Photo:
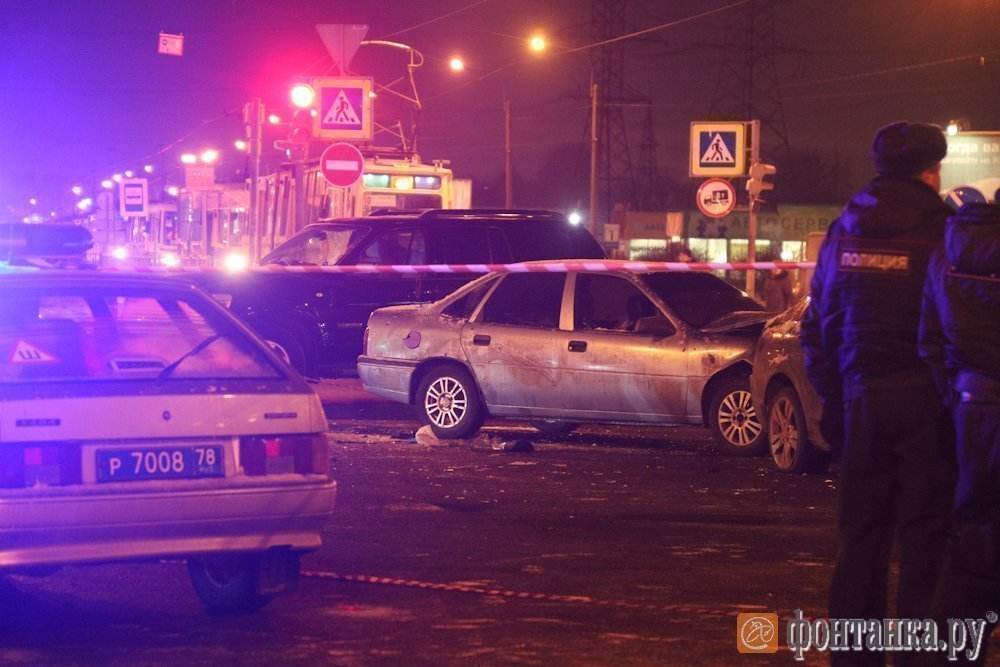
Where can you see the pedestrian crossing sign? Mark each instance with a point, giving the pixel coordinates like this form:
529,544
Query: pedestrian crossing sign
344,108
718,149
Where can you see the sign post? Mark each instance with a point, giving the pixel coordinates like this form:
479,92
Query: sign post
752,217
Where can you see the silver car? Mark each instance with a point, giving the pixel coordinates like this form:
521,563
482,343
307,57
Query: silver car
140,420
783,394
562,348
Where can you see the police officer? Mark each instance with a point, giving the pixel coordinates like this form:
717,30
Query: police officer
860,341
959,338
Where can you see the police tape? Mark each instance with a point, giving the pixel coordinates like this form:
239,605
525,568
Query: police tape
521,267
695,610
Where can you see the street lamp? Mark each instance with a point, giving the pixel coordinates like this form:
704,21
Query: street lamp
107,184
77,190
209,156
456,64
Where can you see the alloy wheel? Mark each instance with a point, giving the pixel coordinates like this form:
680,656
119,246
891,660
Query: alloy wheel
446,402
738,420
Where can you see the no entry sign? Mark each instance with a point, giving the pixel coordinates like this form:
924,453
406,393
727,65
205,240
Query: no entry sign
342,164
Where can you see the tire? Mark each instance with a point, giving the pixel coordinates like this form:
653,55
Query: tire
788,436
448,400
227,583
554,428
733,420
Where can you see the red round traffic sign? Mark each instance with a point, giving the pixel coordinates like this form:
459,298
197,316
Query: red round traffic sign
716,198
342,164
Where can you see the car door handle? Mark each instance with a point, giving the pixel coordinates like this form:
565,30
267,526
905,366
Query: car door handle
481,339
578,346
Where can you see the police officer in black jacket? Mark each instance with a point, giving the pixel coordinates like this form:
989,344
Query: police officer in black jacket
860,342
960,339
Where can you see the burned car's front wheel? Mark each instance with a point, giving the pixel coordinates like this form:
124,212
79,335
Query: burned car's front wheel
448,400
733,420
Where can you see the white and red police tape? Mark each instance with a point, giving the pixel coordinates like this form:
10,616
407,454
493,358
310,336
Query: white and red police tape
529,267
697,610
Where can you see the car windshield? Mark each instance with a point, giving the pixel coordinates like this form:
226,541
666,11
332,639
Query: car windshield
324,246
699,298
60,333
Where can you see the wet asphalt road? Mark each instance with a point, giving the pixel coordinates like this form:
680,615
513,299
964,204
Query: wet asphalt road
610,546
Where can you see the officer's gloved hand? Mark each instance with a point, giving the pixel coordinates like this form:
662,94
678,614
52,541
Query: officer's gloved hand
831,426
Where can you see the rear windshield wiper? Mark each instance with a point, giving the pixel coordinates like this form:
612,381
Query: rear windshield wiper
166,372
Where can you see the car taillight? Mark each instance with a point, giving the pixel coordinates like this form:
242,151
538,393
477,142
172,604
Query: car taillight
276,454
50,464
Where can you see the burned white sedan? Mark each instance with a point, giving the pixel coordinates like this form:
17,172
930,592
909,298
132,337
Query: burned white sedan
558,349
139,420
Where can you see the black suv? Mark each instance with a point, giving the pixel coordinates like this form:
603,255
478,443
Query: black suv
318,319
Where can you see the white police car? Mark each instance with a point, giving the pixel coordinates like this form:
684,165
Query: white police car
139,420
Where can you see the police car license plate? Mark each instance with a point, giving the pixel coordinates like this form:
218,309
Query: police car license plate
126,465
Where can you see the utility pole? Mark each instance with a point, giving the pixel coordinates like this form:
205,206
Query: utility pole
508,192
253,116
592,215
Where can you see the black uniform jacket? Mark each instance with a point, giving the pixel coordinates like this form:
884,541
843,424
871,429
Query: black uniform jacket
960,327
860,331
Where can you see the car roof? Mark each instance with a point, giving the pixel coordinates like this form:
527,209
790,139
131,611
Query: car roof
386,217
18,277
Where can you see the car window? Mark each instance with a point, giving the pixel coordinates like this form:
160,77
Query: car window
468,245
463,307
698,298
318,247
399,246
546,242
526,300
609,303
69,333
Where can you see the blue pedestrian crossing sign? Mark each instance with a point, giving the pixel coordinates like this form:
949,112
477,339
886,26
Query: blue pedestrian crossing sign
344,108
718,149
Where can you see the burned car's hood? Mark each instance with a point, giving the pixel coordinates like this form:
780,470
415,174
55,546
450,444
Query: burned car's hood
736,320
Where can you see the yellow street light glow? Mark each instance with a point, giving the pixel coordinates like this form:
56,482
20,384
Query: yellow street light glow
32,201
173,190
274,119
107,184
240,145
189,158
148,169
77,190
117,178
129,174
456,64
302,95
537,43
209,156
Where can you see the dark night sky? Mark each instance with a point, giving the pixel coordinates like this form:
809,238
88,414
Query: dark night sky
83,92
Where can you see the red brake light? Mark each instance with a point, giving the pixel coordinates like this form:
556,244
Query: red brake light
49,464
274,455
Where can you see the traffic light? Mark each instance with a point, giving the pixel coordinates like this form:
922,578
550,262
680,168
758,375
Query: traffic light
300,131
756,184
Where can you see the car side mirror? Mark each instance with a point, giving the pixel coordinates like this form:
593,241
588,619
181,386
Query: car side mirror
655,325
